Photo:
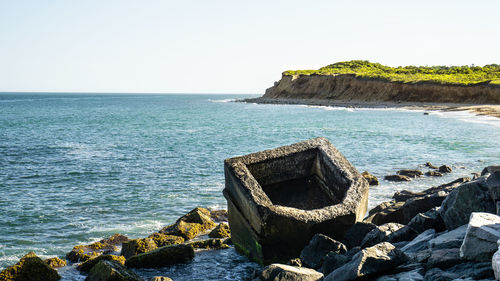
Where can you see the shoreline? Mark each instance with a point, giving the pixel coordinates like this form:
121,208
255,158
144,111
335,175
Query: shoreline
492,110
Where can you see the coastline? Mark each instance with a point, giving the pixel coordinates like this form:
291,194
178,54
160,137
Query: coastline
492,110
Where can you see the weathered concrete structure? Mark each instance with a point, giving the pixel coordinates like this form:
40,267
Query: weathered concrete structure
278,199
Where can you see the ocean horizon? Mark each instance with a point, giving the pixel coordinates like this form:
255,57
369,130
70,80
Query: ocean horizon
78,167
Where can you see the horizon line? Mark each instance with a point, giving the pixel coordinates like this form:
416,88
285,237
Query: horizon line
132,93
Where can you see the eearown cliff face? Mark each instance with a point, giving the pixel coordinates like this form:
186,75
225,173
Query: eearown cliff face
347,87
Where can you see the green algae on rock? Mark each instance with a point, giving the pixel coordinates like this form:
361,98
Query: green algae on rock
213,244
220,231
112,271
165,240
87,265
163,256
190,225
55,262
81,253
137,246
29,268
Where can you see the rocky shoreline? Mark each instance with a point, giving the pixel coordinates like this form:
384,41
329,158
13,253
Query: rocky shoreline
485,109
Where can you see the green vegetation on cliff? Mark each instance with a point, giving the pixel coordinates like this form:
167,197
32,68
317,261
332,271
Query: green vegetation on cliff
457,75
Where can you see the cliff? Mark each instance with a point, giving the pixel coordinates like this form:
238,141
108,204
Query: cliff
349,88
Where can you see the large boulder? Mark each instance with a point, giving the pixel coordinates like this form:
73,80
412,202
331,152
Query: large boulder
165,240
29,268
380,234
335,260
163,256
87,265
444,258
81,253
462,271
428,220
106,270
355,235
379,258
420,243
137,246
191,225
469,197
220,231
481,238
386,212
282,272
301,189
320,245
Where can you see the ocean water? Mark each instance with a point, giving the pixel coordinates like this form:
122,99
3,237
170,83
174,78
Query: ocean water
76,168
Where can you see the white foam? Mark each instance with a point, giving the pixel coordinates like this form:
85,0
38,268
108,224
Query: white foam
222,100
469,117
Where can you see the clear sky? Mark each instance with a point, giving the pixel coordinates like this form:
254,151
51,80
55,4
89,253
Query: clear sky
212,46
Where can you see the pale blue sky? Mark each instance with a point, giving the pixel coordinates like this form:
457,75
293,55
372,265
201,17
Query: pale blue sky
228,46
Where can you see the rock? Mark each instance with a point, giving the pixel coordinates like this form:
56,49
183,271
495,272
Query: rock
164,256
427,220
447,187
388,212
463,271
401,235
81,253
450,239
87,265
420,243
301,189
218,216
429,165
495,262
372,180
444,258
355,235
445,169
480,240
436,274
379,258
410,173
380,234
412,275
334,260
281,272
493,182
320,245
160,278
467,198
397,178
165,240
106,270
190,225
137,246
55,262
220,231
433,174
29,268
213,244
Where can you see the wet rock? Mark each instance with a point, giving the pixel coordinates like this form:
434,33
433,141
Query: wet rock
137,246
433,174
81,253
29,268
372,180
160,278
218,216
397,178
281,272
87,265
335,260
163,256
380,234
220,231
480,240
467,198
379,258
106,270
410,173
212,244
444,258
320,245
301,189
55,262
191,225
429,165
450,239
165,240
495,262
445,169
355,235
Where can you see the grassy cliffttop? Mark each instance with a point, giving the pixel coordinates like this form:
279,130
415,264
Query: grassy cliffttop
449,75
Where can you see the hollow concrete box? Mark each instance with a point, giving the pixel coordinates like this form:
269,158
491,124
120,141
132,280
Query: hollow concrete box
279,198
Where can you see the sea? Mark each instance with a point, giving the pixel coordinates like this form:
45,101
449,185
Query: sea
76,168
